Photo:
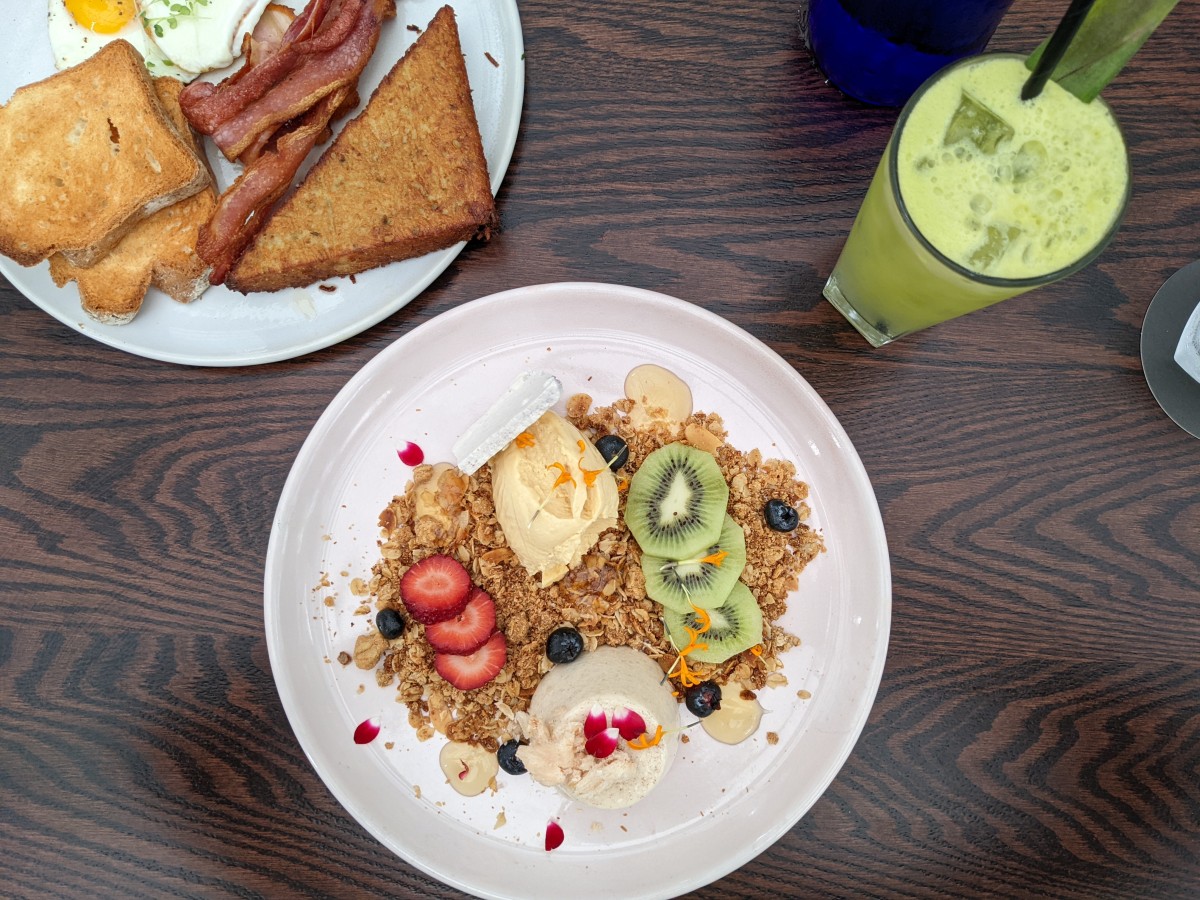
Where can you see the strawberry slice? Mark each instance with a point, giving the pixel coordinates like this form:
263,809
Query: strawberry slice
469,630
467,672
435,589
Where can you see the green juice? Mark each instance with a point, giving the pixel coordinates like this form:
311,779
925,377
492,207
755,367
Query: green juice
979,196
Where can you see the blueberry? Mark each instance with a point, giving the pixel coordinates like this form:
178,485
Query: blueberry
780,516
389,623
703,699
564,644
614,450
508,759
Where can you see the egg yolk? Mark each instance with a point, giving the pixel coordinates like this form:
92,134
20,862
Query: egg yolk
101,16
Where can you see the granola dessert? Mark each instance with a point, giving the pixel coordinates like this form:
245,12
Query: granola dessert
677,618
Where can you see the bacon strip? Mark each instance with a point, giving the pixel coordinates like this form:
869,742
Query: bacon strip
317,74
207,105
241,209
276,109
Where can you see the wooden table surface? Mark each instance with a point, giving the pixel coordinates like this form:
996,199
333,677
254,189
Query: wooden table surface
1037,729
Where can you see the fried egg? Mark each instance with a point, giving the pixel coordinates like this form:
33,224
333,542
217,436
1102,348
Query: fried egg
182,38
200,35
79,28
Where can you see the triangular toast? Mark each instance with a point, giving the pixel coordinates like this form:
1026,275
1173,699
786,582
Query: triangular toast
406,177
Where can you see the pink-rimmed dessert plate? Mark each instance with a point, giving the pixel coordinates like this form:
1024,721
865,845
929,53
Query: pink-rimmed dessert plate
225,328
719,805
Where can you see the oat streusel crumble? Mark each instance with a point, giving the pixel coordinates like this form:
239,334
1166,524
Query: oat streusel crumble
604,597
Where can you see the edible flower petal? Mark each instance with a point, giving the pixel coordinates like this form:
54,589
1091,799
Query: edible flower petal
628,723
603,744
595,722
646,741
524,440
564,476
685,675
589,475
554,835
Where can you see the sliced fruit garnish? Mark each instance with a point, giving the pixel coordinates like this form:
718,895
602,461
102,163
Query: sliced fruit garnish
467,631
595,722
629,724
554,835
435,589
469,671
603,743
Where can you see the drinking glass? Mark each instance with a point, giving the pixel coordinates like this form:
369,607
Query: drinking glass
1045,208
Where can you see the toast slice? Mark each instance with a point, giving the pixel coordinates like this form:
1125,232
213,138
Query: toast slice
159,250
406,177
88,153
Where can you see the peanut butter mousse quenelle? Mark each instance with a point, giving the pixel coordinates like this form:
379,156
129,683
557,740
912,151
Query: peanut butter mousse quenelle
554,496
603,729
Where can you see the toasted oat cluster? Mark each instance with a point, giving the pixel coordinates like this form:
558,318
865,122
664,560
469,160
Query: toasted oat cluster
604,597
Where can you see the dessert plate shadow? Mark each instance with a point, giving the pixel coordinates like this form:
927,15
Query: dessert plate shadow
718,806
224,328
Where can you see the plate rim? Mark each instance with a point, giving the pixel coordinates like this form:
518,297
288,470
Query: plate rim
23,278
881,559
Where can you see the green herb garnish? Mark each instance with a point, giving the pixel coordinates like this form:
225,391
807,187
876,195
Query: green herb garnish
171,10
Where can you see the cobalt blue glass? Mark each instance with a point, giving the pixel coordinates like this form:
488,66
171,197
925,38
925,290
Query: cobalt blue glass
880,51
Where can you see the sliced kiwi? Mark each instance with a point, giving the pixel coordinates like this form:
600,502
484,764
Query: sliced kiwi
737,625
703,580
677,500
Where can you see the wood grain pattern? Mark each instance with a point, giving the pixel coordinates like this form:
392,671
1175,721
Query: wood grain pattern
1037,732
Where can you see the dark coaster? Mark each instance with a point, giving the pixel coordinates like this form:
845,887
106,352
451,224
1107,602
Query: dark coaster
1174,389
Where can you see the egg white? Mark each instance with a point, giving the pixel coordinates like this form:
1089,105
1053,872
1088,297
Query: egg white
72,43
206,37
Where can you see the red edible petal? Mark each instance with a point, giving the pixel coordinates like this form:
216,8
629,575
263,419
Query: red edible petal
595,722
602,744
554,835
629,723
410,454
366,731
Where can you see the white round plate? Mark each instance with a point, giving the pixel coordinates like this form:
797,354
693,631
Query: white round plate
718,806
224,328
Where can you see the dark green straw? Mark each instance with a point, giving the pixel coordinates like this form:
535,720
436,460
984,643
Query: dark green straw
1056,47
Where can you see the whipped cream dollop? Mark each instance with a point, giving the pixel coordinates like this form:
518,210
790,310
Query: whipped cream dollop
612,679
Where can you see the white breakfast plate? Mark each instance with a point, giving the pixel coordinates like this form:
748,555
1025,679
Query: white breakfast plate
718,806
224,328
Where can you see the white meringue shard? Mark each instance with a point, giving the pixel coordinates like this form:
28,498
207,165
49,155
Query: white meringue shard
530,395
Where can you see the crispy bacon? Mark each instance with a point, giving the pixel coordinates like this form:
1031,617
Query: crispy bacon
277,108
241,208
207,105
251,153
268,35
261,97
317,74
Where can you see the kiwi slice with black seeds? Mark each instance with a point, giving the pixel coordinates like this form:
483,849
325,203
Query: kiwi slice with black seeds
677,501
703,580
736,625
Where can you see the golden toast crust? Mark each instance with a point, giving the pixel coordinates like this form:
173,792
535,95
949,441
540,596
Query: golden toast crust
88,153
159,250
406,177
